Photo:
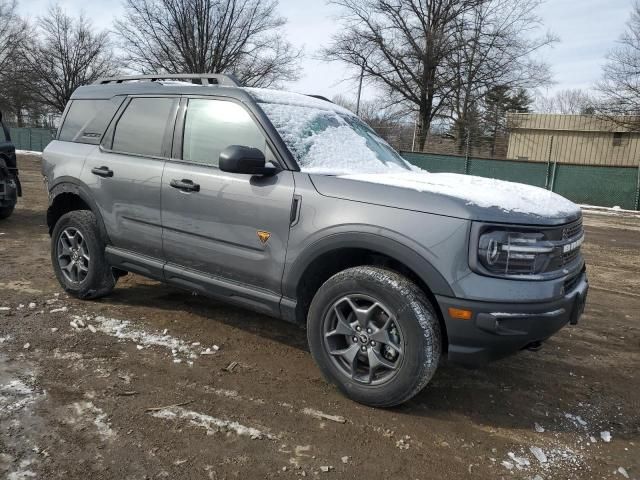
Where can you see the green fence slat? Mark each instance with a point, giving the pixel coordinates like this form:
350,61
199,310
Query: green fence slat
35,139
602,186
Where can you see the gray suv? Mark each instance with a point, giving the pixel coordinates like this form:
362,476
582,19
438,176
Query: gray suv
290,205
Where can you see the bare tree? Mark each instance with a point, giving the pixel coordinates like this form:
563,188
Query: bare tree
389,122
14,35
67,53
497,47
13,32
620,85
572,101
402,47
242,37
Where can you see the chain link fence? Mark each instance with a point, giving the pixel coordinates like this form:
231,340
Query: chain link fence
34,139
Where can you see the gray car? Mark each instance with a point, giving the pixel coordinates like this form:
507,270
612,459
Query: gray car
291,206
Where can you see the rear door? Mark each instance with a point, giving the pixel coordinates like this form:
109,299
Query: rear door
125,173
229,229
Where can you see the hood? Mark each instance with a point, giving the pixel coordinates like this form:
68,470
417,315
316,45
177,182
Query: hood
455,195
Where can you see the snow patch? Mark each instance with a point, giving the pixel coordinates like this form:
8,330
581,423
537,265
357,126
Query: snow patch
16,395
269,96
480,191
126,330
28,152
211,424
24,472
539,454
330,142
96,416
576,420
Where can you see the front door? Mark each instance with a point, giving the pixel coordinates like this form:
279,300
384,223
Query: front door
230,230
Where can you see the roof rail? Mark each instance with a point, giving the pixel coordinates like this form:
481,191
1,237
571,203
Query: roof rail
320,97
198,78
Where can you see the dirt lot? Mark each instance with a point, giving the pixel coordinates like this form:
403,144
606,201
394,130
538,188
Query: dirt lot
73,401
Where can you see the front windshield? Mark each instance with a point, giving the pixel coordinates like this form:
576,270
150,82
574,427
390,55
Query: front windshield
331,142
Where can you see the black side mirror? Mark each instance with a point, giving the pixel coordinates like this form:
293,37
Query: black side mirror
248,160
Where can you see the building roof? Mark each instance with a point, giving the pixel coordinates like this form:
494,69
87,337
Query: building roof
572,123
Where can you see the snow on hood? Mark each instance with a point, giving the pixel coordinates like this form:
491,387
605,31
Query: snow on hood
479,191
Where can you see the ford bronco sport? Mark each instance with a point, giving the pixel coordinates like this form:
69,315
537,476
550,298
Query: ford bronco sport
10,188
291,206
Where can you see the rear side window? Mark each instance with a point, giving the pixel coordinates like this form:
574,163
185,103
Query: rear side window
212,125
81,113
142,128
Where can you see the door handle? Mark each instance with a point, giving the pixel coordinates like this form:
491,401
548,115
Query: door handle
102,171
185,185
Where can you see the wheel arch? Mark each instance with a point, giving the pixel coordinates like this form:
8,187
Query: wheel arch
67,195
337,252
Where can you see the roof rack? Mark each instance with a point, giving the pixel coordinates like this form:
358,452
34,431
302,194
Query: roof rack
197,78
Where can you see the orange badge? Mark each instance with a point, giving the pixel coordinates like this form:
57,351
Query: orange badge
263,236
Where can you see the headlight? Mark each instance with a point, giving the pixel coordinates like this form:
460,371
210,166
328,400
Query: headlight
504,252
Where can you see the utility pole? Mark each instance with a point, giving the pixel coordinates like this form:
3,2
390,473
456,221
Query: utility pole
359,90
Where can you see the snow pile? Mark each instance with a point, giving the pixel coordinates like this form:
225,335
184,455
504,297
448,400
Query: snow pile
483,192
211,424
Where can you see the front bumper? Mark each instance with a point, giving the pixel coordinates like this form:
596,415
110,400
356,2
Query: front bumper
499,329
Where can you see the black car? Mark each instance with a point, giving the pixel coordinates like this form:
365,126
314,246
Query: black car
10,188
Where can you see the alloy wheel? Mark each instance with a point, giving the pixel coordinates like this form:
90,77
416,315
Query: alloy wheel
73,255
363,339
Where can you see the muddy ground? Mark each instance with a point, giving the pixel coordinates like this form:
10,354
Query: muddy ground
74,401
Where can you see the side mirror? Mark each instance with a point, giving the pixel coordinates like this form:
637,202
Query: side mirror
248,160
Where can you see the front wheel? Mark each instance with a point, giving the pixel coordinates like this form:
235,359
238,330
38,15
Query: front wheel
77,254
375,335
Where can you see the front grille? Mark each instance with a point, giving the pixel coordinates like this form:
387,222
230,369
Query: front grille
565,236
572,230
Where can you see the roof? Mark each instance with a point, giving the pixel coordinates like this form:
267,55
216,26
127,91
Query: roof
573,123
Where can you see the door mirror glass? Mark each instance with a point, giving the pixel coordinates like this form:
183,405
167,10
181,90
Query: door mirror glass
247,160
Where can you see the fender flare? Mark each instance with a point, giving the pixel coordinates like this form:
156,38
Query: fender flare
385,245
76,187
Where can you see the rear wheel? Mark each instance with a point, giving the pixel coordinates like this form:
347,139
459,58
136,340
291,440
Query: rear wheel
77,254
375,335
5,212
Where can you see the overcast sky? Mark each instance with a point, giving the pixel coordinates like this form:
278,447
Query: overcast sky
587,30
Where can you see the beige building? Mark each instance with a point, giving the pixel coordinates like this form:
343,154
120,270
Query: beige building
575,139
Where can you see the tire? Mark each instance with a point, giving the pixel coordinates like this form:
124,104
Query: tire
94,277
5,212
403,311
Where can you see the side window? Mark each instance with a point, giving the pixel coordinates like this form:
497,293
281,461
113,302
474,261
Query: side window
212,125
142,127
80,114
